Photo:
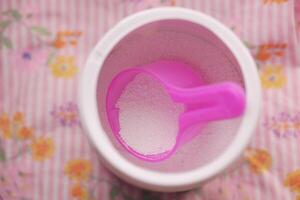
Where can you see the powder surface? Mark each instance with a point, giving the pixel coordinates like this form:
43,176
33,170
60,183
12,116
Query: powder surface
147,115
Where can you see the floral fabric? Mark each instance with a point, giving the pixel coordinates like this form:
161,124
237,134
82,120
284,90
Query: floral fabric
44,152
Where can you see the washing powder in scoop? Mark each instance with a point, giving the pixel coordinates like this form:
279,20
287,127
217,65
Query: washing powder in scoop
147,115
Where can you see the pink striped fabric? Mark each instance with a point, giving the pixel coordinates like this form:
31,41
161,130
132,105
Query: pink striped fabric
41,135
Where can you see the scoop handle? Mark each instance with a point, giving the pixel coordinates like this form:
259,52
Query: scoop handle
209,103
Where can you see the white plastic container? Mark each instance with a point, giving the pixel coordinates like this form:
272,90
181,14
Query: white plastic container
220,55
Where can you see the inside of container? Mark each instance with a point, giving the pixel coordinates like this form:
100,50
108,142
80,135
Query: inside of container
187,42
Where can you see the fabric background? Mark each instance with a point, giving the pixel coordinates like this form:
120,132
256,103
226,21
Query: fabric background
44,152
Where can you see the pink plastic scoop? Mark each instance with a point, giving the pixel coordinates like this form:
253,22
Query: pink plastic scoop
203,103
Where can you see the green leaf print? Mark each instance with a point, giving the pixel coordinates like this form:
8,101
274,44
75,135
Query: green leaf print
2,154
40,30
16,15
5,41
4,24
114,192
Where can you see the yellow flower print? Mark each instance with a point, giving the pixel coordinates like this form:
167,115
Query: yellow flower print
18,118
42,148
25,133
5,126
272,76
6,133
12,127
78,169
259,160
64,67
4,119
292,181
78,192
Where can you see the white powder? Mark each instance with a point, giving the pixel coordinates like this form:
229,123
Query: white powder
147,115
